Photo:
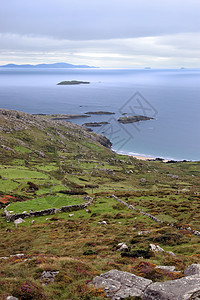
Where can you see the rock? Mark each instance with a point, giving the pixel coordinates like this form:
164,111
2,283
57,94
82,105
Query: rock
12,298
156,248
143,232
19,255
193,269
143,180
167,268
18,221
171,253
32,222
180,289
122,247
48,276
103,222
120,285
71,215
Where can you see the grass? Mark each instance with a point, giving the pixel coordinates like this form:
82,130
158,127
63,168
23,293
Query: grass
20,173
53,201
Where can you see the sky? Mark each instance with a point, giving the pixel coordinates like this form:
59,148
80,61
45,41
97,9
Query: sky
103,33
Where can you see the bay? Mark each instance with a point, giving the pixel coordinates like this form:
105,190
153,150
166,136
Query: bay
172,97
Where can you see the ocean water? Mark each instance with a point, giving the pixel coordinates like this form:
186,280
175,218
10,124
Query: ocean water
171,97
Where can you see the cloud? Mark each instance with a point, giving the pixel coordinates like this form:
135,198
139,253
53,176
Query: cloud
172,50
107,33
99,19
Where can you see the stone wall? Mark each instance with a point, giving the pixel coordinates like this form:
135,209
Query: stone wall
195,232
12,217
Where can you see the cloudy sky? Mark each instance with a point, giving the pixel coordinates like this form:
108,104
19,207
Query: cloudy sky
104,33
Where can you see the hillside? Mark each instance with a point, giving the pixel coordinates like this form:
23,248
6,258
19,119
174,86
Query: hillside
48,164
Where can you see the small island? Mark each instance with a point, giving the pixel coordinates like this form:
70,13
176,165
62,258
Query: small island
99,113
95,124
133,119
73,82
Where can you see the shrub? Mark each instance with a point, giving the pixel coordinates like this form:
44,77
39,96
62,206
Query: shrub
28,291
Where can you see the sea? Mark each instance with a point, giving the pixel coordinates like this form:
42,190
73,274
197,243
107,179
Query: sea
170,96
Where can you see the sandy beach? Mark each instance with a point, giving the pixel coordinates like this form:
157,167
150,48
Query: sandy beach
143,157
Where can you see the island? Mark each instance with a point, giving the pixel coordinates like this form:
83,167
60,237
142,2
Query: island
133,119
62,116
95,124
99,113
73,82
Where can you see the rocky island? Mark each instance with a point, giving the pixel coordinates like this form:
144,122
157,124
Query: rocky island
95,124
62,116
99,113
133,119
73,82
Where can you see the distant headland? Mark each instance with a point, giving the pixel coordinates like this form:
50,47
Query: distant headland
45,66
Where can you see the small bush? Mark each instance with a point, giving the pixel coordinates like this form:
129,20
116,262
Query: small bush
28,291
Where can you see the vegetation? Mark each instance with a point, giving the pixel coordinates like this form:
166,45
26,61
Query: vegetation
45,164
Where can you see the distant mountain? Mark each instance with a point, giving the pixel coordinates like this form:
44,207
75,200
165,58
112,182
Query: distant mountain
55,65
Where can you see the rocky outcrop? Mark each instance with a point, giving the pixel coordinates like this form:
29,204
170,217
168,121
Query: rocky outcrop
185,288
120,285
101,139
193,269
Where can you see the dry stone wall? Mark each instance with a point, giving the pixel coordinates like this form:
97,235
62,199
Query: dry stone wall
12,217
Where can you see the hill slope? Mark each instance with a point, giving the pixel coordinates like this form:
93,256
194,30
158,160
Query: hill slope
47,163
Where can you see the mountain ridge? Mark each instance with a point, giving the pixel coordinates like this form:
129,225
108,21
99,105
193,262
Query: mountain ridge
54,65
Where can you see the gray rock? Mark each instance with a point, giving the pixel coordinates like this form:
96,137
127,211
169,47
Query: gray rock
122,247
186,288
11,298
143,232
167,268
156,248
18,221
193,269
48,276
171,253
103,223
120,285
143,180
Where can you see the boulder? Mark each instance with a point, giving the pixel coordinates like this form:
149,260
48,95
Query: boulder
18,221
11,298
120,285
156,248
171,253
186,288
48,276
167,268
122,247
193,269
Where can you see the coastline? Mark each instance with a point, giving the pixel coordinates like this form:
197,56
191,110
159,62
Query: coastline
144,157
